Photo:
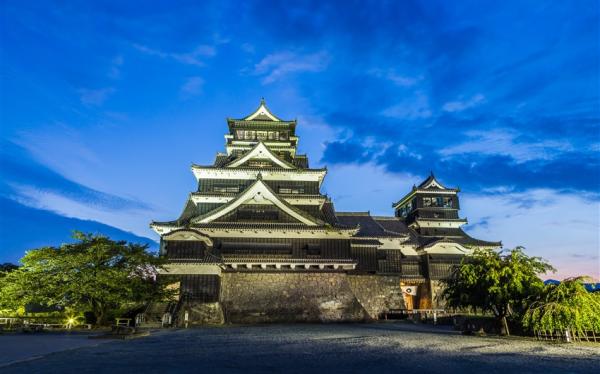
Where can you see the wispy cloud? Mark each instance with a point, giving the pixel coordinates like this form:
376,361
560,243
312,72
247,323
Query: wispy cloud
133,219
460,105
192,86
402,80
114,70
506,142
412,107
94,97
197,56
277,65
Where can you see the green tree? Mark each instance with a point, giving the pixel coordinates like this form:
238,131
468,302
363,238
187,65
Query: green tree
500,282
566,306
93,274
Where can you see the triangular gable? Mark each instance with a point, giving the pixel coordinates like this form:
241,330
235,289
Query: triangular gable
262,113
431,182
257,193
260,151
447,248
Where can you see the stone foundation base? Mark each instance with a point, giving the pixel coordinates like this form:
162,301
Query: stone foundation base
303,297
286,297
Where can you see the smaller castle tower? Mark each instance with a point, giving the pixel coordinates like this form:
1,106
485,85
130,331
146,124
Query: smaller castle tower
431,209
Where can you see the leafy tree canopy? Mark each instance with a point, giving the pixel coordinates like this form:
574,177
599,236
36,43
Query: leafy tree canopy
565,306
501,282
93,274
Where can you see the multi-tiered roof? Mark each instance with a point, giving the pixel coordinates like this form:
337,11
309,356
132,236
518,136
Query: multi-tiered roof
260,182
259,207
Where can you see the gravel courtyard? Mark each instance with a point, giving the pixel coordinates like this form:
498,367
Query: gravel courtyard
333,348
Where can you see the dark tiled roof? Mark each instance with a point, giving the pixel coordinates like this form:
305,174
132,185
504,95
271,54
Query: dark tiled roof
222,159
392,224
456,235
328,212
430,179
371,227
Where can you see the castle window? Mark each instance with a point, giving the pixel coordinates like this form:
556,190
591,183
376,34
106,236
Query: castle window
226,189
249,135
291,190
435,201
261,135
447,202
273,135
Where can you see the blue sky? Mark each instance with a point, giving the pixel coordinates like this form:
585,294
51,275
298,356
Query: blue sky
104,106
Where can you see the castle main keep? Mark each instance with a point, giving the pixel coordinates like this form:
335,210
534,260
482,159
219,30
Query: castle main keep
258,241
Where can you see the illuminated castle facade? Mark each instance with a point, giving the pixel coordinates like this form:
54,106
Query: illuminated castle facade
257,241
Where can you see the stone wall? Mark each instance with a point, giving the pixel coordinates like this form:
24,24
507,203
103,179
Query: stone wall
377,293
201,314
289,297
308,297
437,289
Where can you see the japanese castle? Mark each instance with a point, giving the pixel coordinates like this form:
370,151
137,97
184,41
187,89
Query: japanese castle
258,241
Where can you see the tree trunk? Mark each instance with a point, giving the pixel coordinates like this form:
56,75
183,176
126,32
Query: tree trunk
504,330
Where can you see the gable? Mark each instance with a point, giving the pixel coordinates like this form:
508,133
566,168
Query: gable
433,183
447,248
260,152
258,194
262,113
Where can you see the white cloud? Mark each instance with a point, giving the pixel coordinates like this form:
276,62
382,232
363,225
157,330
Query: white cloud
131,220
95,97
503,142
277,65
71,156
114,71
460,105
192,86
195,57
398,79
411,108
562,228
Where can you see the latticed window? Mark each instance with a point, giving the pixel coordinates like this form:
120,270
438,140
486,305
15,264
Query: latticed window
226,189
286,190
261,135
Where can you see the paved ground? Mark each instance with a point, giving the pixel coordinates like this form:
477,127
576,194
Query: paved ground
348,348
